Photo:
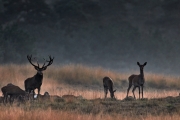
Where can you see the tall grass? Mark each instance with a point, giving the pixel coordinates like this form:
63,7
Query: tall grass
86,81
17,113
85,75
80,74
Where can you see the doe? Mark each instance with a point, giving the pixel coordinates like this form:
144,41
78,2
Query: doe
137,80
108,84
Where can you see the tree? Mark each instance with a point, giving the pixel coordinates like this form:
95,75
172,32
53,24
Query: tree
15,44
73,13
30,11
1,6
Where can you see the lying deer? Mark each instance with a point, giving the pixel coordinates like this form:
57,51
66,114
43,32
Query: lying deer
14,92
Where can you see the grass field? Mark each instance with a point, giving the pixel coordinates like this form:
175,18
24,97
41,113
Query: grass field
87,81
80,80
39,114
69,109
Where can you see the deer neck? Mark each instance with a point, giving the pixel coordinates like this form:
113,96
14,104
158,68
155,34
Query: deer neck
39,76
141,74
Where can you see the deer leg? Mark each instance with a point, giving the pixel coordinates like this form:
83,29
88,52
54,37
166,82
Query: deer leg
28,93
128,89
39,90
139,91
11,99
33,94
5,99
142,91
133,91
105,92
111,93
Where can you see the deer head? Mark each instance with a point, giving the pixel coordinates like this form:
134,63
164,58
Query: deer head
141,66
44,67
112,93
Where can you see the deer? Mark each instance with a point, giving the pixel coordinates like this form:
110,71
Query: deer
35,82
137,80
108,85
14,92
9,84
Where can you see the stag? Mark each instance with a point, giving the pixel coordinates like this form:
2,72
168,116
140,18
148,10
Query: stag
35,82
14,92
108,84
137,80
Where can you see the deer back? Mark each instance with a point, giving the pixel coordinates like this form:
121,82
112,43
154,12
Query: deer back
107,81
131,78
136,80
12,90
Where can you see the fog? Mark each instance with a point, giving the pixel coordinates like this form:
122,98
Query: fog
114,35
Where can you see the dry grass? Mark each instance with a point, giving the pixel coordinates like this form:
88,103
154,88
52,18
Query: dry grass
84,75
17,113
80,80
87,81
80,74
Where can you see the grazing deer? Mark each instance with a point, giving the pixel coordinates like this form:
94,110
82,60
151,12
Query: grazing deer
108,84
137,80
14,92
36,81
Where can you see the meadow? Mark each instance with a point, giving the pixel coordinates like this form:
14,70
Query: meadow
161,94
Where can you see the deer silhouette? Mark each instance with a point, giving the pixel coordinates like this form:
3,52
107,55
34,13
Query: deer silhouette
35,82
108,84
14,92
137,80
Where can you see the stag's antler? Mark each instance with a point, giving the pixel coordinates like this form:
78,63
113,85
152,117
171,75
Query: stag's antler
30,60
49,62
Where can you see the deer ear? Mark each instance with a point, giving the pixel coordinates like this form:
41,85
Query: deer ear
145,63
138,63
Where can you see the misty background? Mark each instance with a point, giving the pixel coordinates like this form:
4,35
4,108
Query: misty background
111,34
